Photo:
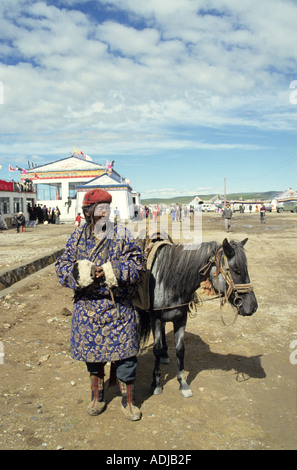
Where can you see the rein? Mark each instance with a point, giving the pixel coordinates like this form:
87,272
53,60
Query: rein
226,274
232,286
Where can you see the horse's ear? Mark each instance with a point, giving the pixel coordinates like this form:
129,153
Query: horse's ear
244,241
228,250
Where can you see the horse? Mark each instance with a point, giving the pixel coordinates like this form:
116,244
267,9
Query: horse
175,275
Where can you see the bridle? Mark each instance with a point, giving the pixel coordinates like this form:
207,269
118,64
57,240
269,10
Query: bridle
222,267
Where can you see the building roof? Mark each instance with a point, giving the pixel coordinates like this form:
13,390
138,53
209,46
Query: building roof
69,163
105,181
288,194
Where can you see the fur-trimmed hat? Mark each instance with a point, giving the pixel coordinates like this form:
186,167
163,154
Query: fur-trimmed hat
96,196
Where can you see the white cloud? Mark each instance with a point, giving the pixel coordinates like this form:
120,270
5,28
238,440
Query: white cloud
125,87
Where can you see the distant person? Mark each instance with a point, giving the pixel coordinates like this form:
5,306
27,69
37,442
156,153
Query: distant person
45,214
155,213
262,214
40,214
178,213
54,215
57,215
50,215
191,212
250,208
227,216
173,213
20,221
116,215
78,219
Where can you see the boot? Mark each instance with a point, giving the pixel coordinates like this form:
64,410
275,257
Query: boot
128,401
97,404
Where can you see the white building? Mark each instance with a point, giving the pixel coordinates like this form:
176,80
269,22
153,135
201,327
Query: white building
123,199
14,198
63,184
288,195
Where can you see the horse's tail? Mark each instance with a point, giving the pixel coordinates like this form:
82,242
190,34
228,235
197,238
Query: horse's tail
144,328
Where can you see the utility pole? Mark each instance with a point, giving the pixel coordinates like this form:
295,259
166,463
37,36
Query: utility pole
224,191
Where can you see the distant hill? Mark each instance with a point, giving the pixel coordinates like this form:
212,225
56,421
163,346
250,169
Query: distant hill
206,197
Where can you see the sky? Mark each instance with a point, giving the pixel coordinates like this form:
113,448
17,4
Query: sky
181,94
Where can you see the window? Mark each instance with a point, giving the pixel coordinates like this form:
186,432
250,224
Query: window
4,205
72,190
17,204
48,192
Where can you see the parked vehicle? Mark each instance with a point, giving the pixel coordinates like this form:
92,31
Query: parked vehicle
289,206
205,207
268,207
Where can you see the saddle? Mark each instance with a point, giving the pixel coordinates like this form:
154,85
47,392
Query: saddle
150,242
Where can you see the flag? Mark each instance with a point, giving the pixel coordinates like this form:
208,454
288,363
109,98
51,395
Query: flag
108,168
25,173
76,151
11,168
36,176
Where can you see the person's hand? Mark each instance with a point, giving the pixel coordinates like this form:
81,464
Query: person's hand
99,273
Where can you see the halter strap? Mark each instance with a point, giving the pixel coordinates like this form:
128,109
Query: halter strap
217,259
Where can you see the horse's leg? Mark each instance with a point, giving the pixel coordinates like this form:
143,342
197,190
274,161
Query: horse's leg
157,332
164,358
179,332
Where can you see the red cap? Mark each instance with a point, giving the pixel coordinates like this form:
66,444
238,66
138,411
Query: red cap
96,196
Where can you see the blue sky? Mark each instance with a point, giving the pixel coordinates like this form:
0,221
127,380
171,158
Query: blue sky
180,93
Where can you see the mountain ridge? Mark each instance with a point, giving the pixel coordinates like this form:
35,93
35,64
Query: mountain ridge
265,196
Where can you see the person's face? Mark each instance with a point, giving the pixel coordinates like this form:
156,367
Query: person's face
101,216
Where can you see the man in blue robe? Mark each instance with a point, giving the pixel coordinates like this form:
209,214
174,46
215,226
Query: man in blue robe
103,265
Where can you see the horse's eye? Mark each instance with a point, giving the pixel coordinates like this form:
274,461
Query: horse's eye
236,271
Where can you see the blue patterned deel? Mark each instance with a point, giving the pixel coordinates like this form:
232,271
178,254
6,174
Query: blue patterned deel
101,331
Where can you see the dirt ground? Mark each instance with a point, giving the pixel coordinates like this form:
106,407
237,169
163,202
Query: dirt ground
242,374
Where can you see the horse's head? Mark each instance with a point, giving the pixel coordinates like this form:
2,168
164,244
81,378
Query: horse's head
230,277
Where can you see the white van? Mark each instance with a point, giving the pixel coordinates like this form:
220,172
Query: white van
206,207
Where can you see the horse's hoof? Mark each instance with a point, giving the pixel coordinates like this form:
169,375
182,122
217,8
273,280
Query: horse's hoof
185,389
158,390
186,393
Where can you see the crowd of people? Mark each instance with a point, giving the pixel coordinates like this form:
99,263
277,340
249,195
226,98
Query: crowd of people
43,214
21,186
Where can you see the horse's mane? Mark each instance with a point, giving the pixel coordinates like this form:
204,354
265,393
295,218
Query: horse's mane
178,267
